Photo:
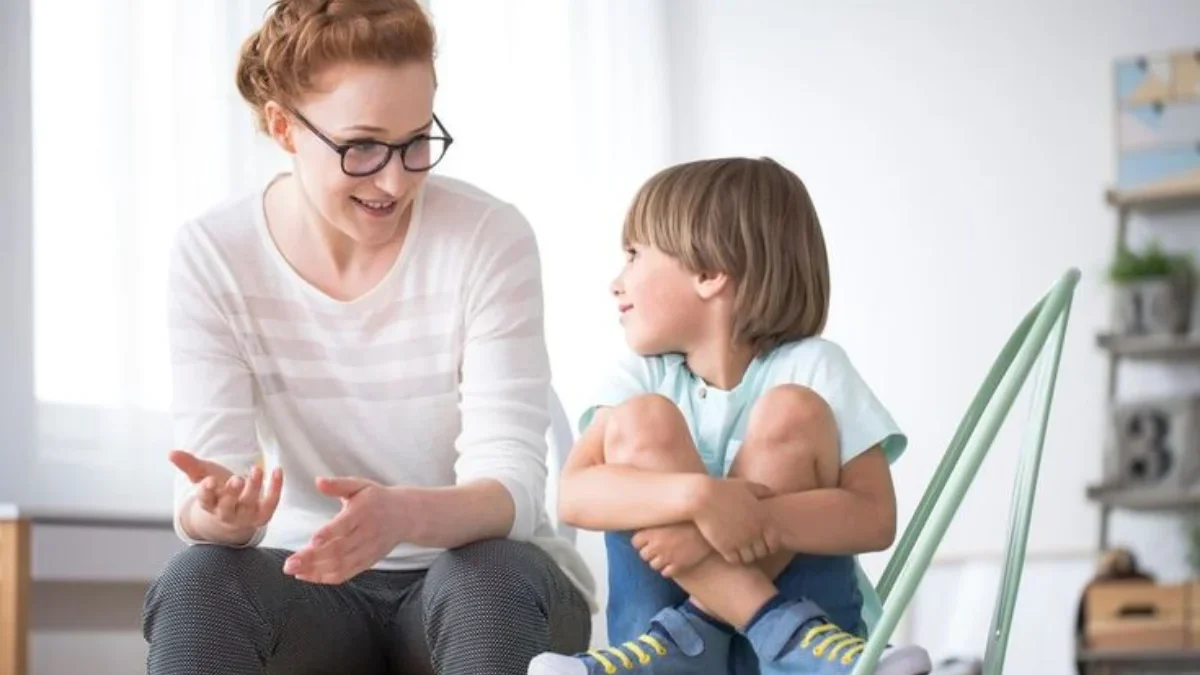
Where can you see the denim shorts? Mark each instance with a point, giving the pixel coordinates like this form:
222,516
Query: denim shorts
636,593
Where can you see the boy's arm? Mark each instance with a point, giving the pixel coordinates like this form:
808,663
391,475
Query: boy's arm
598,496
857,516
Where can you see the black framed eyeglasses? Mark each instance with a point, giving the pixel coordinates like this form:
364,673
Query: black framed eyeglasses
363,158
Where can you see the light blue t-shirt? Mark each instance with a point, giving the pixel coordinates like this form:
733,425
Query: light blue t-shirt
717,418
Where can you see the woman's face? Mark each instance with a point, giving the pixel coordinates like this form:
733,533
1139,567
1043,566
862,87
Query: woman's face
355,104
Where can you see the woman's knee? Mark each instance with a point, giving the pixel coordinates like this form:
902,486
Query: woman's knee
489,572
645,429
791,428
205,576
504,595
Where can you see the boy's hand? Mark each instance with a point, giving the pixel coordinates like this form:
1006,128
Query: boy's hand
730,517
672,550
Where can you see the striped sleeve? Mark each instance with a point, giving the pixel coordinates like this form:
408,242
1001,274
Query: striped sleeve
505,367
212,411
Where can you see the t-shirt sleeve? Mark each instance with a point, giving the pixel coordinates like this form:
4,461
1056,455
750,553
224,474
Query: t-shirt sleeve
863,422
633,375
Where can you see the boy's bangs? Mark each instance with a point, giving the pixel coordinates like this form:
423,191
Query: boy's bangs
654,219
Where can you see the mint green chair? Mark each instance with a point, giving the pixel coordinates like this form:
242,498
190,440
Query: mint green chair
1038,337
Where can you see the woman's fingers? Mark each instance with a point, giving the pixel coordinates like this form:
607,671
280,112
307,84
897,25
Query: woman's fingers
197,469
239,500
227,501
266,508
247,499
189,464
351,559
309,563
252,489
207,495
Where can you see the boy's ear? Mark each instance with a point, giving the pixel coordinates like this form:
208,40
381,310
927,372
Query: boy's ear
710,284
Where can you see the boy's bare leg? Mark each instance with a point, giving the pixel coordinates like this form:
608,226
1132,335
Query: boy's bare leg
791,445
788,448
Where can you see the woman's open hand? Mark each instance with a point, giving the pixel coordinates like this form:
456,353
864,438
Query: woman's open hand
236,504
354,540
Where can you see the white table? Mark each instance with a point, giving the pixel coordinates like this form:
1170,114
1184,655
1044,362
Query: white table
54,544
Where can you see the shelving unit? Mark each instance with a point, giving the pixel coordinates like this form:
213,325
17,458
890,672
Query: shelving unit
1144,500
1147,625
1147,348
1155,199
1151,348
1139,661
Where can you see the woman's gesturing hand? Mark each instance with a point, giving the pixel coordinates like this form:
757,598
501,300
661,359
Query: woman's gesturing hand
361,534
227,508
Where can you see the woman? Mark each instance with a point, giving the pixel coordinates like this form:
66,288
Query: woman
373,336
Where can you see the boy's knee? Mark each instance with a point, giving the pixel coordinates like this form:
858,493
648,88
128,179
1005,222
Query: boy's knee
791,412
792,432
646,423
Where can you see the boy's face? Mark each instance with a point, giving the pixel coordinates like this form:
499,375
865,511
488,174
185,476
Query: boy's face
660,307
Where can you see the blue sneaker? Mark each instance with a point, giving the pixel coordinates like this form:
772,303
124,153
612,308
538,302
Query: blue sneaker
797,638
677,643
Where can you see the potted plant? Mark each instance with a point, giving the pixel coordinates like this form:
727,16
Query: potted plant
1153,292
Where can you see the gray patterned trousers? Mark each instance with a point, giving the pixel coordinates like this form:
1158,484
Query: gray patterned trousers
484,609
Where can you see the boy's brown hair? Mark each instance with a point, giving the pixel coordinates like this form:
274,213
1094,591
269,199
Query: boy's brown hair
753,220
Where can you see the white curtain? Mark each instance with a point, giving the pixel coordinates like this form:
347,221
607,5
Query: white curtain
561,108
137,126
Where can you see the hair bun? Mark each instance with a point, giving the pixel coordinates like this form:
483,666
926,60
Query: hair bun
299,38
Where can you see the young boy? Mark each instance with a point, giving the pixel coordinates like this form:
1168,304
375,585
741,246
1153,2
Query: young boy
737,461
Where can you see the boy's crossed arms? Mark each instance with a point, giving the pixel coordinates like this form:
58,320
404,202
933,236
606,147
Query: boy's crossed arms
636,468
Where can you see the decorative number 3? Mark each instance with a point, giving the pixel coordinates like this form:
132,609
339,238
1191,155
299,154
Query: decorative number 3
1149,457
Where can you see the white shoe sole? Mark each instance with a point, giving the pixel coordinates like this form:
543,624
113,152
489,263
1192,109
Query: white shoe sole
907,660
556,664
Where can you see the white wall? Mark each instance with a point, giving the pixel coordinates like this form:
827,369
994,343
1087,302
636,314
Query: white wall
957,154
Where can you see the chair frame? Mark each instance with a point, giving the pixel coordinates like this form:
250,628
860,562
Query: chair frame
1039,337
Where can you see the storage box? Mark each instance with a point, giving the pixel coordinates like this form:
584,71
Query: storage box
1158,120
1133,615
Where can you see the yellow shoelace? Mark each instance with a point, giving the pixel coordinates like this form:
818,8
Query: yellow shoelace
643,658
835,639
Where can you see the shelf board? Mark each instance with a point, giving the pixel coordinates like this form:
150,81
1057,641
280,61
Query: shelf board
1143,499
1156,347
1133,656
1163,197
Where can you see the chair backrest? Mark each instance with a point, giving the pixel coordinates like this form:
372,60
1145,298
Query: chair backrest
1028,344
560,438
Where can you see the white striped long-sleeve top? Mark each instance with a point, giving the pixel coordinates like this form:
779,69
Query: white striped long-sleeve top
437,376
